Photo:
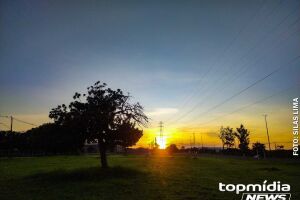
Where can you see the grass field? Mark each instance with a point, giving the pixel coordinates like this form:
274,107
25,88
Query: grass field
136,177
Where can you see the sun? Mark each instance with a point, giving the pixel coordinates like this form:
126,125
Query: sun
161,141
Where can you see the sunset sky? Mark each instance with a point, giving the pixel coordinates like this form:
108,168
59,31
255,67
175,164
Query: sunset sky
195,65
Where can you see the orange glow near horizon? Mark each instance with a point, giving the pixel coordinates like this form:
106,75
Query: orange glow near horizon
181,134
162,142
280,131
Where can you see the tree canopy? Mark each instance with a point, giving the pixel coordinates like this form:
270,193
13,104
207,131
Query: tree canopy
104,115
227,136
243,136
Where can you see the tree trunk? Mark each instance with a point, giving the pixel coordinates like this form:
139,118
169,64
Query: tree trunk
102,151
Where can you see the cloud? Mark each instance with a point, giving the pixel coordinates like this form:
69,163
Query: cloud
162,111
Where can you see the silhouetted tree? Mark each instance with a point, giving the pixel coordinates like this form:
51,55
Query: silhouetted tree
172,148
105,115
227,136
55,138
13,141
127,135
243,136
259,148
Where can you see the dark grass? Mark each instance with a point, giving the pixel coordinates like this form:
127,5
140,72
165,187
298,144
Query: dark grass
136,177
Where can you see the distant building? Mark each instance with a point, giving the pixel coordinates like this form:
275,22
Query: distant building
92,147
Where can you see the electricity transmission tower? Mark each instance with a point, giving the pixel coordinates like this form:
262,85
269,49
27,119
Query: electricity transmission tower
161,132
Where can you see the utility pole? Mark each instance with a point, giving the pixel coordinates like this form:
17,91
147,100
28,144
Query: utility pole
267,131
194,140
201,141
11,123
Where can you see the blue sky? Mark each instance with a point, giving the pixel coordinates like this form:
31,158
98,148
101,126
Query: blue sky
172,56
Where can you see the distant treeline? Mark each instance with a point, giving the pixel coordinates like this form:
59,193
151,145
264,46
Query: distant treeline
49,138
228,136
52,139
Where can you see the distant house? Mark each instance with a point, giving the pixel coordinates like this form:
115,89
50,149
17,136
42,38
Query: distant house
92,147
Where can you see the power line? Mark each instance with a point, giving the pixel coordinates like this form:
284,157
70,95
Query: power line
11,121
250,86
237,75
24,122
256,102
191,110
252,48
19,120
249,105
245,89
224,52
4,125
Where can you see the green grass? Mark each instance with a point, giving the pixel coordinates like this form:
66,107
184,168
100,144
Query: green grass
136,177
